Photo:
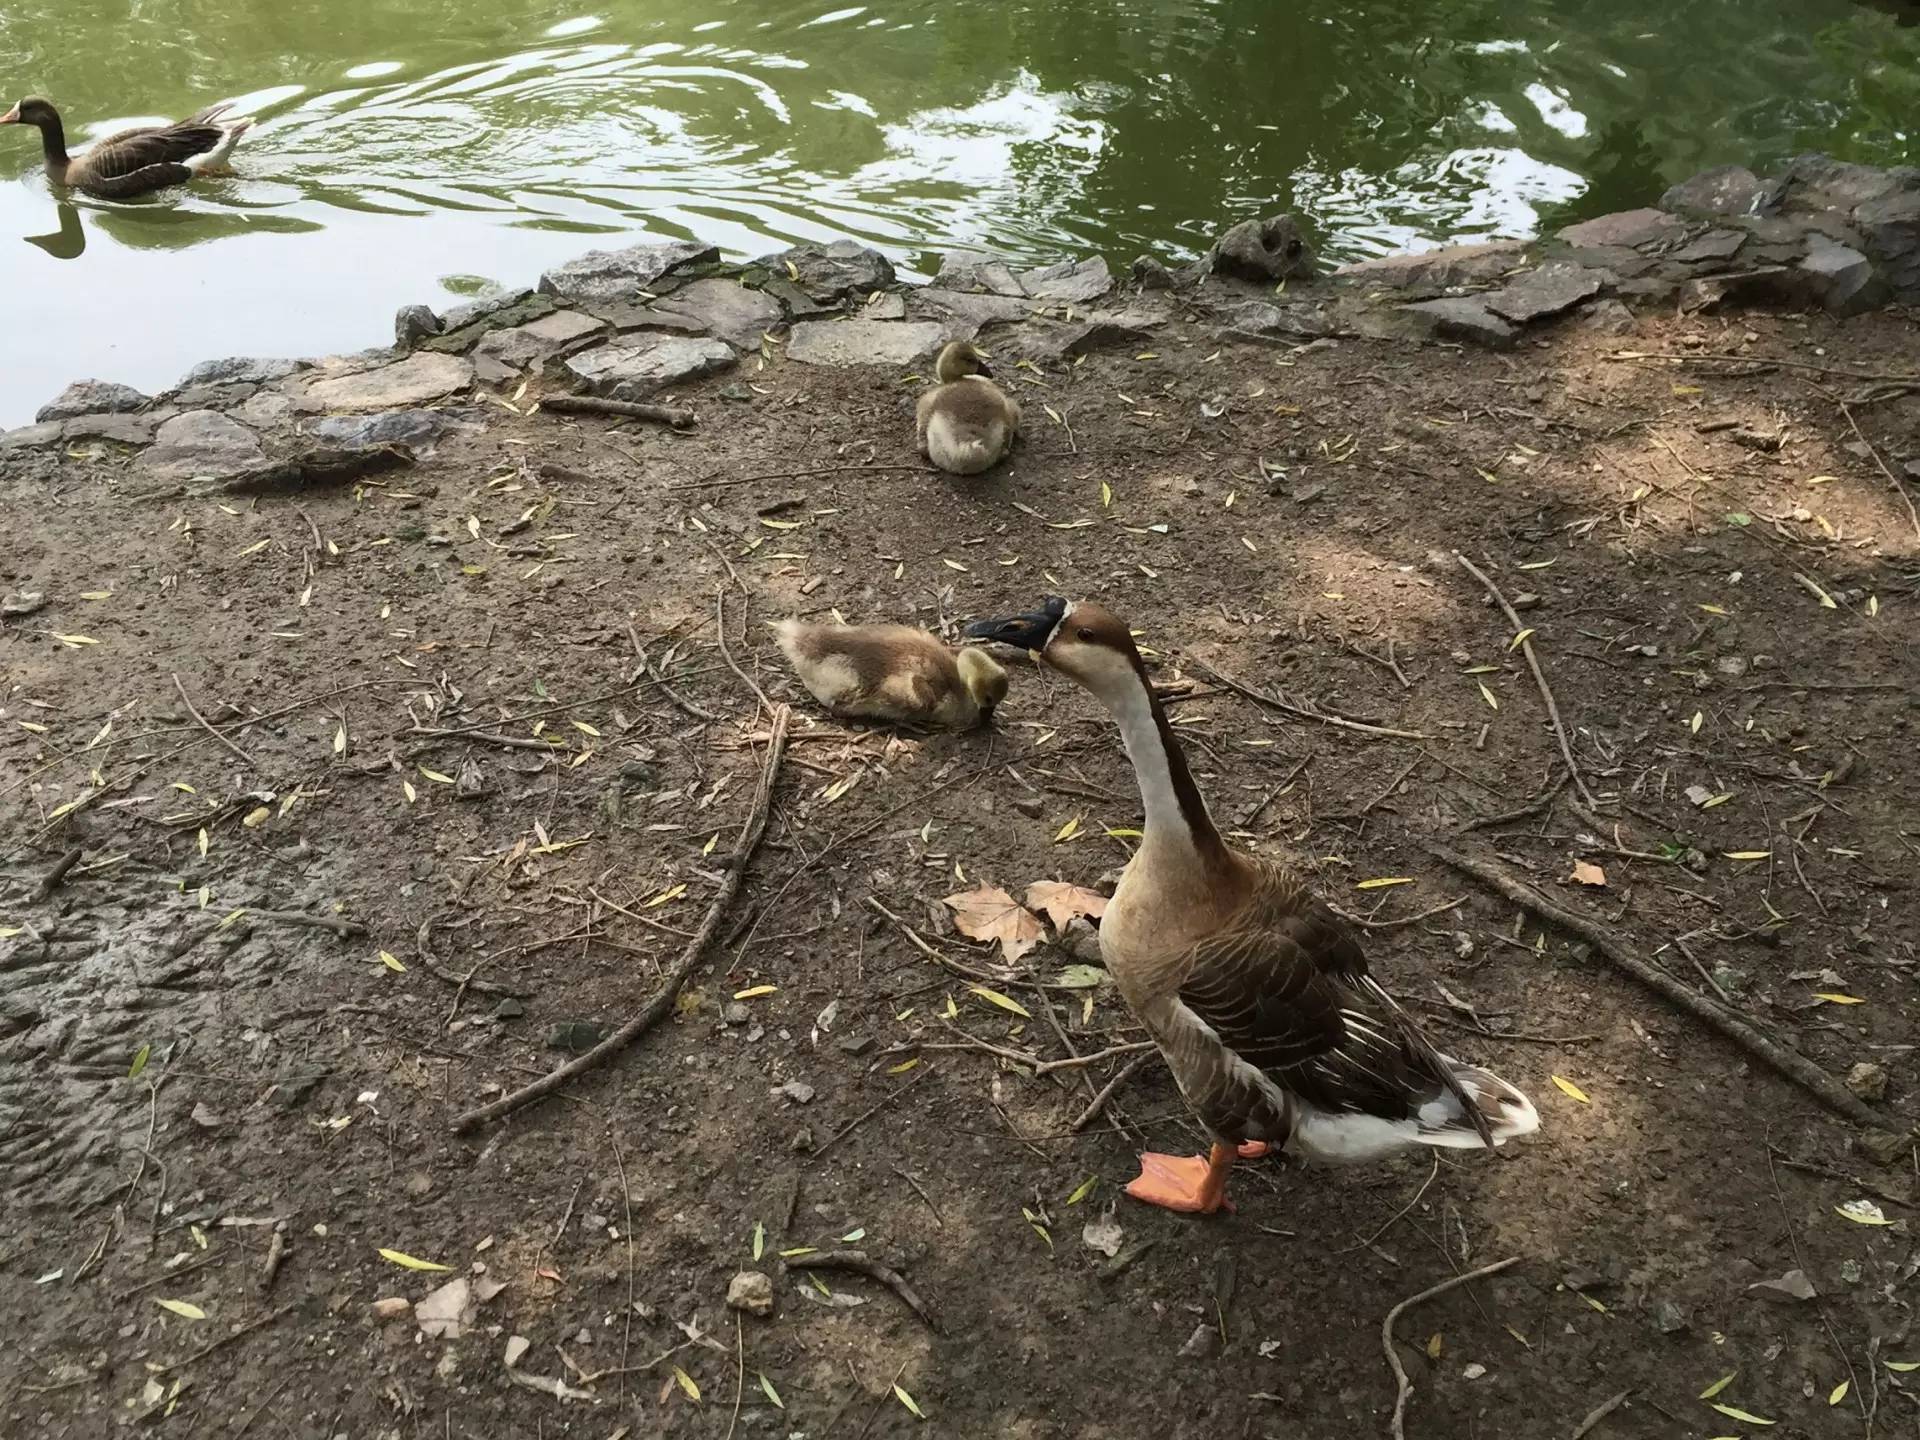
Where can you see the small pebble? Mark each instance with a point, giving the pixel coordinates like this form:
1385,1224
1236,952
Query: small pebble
1203,1344
392,1308
1868,1081
752,1292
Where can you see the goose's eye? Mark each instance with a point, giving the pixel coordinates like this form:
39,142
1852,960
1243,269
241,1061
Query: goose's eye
1084,633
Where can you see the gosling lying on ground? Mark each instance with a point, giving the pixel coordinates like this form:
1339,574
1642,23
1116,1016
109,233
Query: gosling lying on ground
966,423
893,672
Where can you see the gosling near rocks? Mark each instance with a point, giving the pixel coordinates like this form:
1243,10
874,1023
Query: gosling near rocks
966,423
894,673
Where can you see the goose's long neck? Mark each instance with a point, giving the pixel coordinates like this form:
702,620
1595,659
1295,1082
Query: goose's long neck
53,141
1177,818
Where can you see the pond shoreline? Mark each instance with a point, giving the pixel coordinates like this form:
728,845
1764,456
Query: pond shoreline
636,322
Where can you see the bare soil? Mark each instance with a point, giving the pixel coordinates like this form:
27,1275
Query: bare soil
1287,519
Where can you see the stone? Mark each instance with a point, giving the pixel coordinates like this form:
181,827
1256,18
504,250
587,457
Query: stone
797,1091
32,437
124,429
1868,1080
1461,318
241,370
485,306
414,323
752,1292
489,371
23,602
1884,1147
499,314
1265,251
831,272
1705,292
1889,231
884,305
965,315
1819,184
1608,317
1546,291
527,346
863,342
1071,282
636,366
1149,274
421,377
621,274
1449,265
623,317
1723,190
1844,279
725,309
1629,228
419,430
735,1012
1670,1318
977,274
210,397
1713,246
201,442
93,397
264,409
393,1307
1112,329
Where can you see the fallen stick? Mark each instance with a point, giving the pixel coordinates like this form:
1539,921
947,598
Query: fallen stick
867,1114
1780,1058
860,1263
1107,1092
245,758
1600,1412
626,409
345,929
50,881
227,1339
650,1014
1913,516
1539,675
1404,1386
1304,712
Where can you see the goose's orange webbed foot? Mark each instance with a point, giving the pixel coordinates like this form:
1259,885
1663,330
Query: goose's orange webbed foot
1189,1184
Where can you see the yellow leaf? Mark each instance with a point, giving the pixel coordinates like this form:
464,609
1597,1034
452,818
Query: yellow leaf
74,642
257,817
406,788
1383,882
1839,1392
586,729
1873,604
1826,600
672,892
766,1385
1733,1414
1570,1090
1433,1346
1005,1002
186,1310
1067,831
203,842
686,1383
1713,609
252,549
1535,565
340,740
781,524
1903,1367
1696,722
1712,800
139,1062
1717,1386
391,963
902,1067
1520,639
1835,998
436,776
1688,390
1862,1212
749,994
1746,854
1106,493
96,594
473,526
908,1401
409,1262
1487,695
1085,1189
32,728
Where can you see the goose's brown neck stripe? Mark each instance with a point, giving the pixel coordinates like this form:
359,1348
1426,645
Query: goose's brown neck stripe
1152,747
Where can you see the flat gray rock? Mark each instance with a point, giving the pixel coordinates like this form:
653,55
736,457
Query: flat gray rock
1543,292
1263,251
1630,228
863,342
884,305
1715,245
977,274
421,377
1724,190
1449,265
1845,280
621,274
725,309
1461,318
241,370
264,409
414,323
93,397
638,365
419,430
33,437
1071,282
537,342
831,272
1890,233
481,306
965,315
122,429
201,442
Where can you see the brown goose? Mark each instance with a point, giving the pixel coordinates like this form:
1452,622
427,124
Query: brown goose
1256,993
134,162
893,672
966,423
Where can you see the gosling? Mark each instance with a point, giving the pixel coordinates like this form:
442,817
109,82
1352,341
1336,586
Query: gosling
894,673
966,423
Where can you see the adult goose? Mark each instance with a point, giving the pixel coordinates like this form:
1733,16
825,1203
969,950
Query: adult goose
134,162
1256,993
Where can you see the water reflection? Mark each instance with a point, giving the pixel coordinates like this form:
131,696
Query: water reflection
69,242
404,139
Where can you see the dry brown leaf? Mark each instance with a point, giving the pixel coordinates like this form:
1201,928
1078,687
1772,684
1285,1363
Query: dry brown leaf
1587,873
1061,902
987,912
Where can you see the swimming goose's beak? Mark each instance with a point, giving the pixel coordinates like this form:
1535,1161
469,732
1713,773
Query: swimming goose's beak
12,117
1030,631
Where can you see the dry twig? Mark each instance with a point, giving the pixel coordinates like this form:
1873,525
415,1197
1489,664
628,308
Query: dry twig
1303,712
651,1013
245,758
627,409
1404,1386
861,1263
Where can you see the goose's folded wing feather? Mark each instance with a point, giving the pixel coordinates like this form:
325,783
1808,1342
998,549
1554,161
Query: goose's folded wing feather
133,150
1285,988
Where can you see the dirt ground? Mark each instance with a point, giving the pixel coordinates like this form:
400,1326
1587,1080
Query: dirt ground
184,1077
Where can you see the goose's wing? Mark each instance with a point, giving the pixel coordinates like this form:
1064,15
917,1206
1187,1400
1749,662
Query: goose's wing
132,150
1284,988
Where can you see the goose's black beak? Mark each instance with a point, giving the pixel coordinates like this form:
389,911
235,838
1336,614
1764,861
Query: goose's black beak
981,367
1030,631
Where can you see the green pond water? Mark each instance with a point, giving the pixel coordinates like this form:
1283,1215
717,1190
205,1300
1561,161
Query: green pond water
410,149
